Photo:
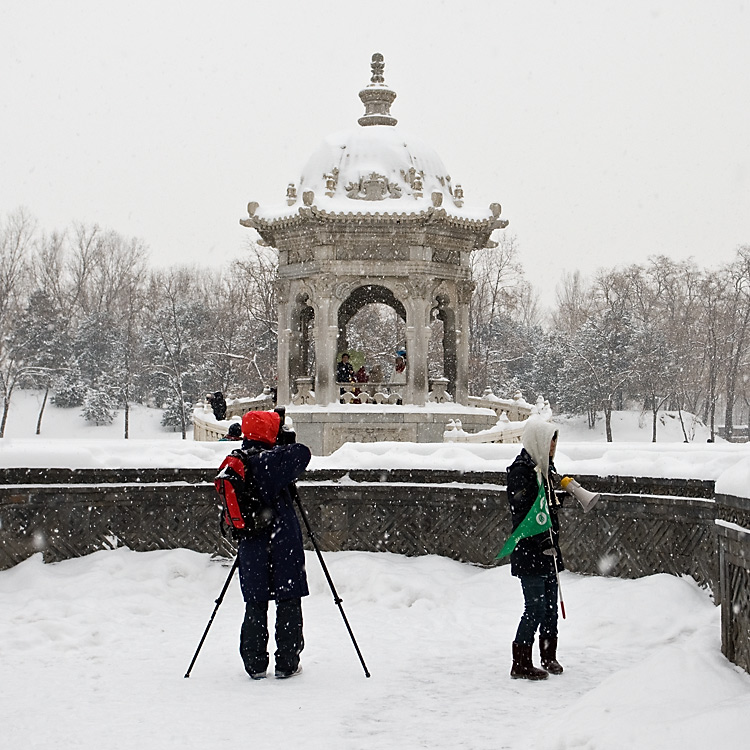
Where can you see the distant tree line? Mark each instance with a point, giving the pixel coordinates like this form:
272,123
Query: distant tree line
84,318
664,334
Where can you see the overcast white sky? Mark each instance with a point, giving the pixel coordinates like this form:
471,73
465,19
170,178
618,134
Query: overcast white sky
609,131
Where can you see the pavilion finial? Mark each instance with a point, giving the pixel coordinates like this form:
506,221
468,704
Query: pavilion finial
378,68
377,97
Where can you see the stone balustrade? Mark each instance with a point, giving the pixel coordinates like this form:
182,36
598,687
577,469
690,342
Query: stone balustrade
516,409
370,393
504,431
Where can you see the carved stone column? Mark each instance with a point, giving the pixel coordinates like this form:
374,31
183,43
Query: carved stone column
465,290
326,336
417,343
283,390
283,383
326,390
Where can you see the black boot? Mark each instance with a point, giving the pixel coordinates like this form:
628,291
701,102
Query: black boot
548,651
522,665
289,639
254,639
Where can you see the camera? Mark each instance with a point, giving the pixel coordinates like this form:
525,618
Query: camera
286,436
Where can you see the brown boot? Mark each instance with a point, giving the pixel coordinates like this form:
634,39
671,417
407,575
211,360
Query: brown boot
523,668
548,651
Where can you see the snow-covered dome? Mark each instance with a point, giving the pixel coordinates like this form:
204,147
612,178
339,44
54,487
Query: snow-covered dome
373,169
376,167
378,163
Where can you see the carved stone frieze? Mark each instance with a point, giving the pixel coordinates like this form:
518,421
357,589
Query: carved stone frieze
452,256
300,253
373,187
283,290
331,180
324,285
415,178
418,287
465,289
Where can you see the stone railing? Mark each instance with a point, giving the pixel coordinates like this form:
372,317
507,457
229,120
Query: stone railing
371,392
516,409
640,526
511,418
207,428
504,431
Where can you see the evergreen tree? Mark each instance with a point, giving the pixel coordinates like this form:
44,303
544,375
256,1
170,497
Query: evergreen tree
99,406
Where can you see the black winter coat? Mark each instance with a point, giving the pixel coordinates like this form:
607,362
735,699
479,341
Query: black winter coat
345,372
272,561
527,559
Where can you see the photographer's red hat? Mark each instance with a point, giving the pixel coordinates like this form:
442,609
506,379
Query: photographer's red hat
262,426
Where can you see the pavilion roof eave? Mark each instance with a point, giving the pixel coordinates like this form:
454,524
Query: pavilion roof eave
307,214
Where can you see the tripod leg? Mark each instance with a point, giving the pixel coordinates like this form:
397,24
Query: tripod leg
216,609
336,597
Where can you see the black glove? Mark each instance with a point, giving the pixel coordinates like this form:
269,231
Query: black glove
546,546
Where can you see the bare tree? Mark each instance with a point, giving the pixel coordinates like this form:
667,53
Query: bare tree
501,292
17,234
175,330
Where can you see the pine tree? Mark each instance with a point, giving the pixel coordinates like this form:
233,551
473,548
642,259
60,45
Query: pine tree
99,406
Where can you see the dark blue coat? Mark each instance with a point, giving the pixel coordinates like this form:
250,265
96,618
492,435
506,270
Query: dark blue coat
527,559
272,561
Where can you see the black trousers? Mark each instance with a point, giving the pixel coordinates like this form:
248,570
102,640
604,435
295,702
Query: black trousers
540,608
254,636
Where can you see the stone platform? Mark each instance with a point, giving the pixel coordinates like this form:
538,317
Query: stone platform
326,428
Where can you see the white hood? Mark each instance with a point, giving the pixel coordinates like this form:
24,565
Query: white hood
536,438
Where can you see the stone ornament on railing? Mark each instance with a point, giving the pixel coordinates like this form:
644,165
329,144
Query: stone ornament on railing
349,397
365,393
305,394
438,391
542,408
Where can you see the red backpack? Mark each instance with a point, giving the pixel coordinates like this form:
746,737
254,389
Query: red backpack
243,512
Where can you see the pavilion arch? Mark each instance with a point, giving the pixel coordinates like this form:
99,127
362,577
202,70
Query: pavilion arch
359,297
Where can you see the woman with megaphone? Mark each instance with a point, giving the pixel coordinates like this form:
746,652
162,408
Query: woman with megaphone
533,547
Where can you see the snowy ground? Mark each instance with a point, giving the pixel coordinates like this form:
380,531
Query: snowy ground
93,653
93,650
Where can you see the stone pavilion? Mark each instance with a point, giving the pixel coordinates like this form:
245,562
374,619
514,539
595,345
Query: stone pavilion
374,218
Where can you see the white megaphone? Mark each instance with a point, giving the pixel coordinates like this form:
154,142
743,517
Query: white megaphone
587,499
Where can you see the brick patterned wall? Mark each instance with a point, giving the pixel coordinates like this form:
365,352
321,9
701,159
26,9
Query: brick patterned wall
733,534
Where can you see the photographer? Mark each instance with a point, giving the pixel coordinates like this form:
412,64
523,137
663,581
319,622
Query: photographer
272,560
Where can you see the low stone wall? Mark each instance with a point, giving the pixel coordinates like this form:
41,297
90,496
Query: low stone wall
733,533
640,526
